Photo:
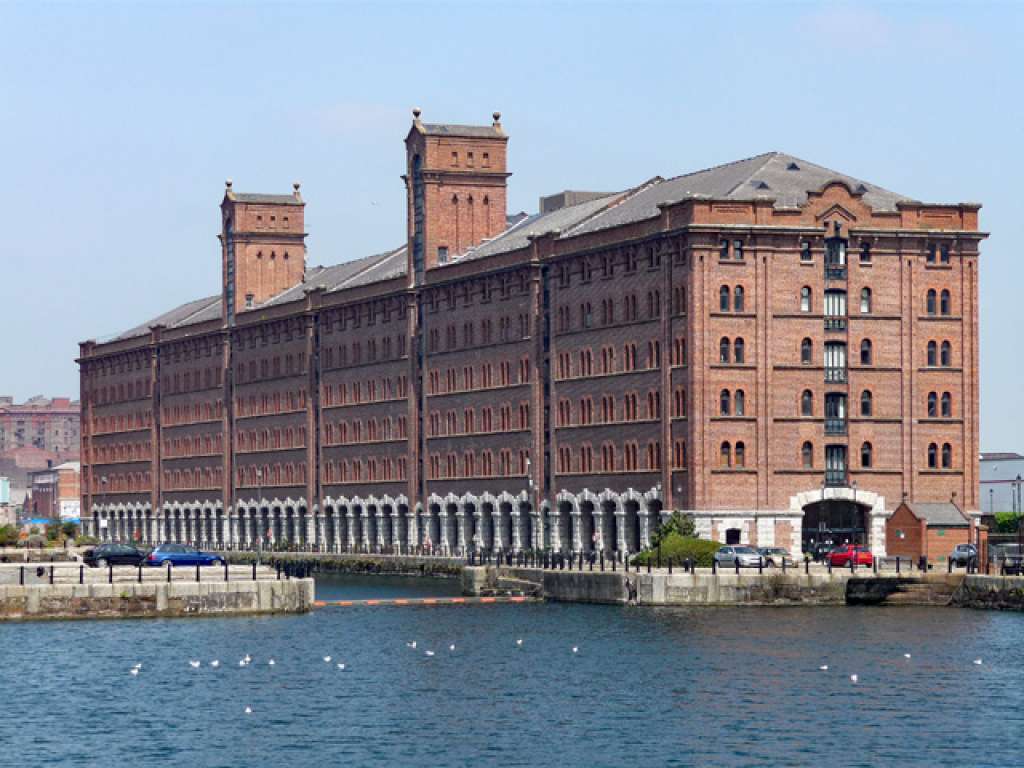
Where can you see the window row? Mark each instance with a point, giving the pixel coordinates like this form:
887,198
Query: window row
731,351
374,390
271,403
837,459
938,303
582,460
206,479
604,265
835,353
587,318
291,473
344,433
270,439
195,445
471,424
110,453
122,482
581,363
731,403
102,425
470,464
358,352
731,299
373,469
256,370
940,355
940,407
190,381
937,455
609,412
122,392
451,297
835,301
472,379
807,255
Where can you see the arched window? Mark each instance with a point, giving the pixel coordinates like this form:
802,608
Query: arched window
947,405
737,351
944,303
933,451
807,403
725,455
807,455
723,299
739,402
723,350
932,405
723,403
805,299
865,301
806,351
741,454
930,302
947,456
947,354
865,352
933,354
865,455
737,299
866,404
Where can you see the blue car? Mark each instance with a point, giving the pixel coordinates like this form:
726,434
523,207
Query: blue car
181,554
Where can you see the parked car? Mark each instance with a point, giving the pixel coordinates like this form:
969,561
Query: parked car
112,554
964,555
820,550
776,556
182,554
747,557
1008,558
841,556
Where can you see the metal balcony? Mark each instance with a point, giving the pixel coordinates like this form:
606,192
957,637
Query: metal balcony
835,478
835,426
835,375
835,323
835,271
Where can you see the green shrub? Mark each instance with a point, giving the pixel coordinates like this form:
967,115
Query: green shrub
8,535
679,524
680,548
86,541
1007,522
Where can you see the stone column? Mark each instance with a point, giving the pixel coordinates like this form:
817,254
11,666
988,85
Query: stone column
645,528
554,528
396,530
364,516
460,528
620,528
443,519
478,534
350,531
310,536
379,514
413,528
577,532
516,533
598,528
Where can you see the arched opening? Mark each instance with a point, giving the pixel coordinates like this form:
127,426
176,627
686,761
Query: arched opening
832,523
632,523
433,538
505,526
587,531
565,525
610,526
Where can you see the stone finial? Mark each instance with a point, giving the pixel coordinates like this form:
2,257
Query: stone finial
416,112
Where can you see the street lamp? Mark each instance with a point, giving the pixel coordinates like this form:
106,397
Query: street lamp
103,499
259,512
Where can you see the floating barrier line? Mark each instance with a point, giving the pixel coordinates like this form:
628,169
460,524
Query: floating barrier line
423,601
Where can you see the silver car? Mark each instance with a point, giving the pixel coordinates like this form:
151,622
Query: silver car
746,557
776,556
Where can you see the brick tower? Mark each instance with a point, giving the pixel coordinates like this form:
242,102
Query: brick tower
263,247
456,183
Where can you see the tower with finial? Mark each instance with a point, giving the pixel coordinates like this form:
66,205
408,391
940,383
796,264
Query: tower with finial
456,187
263,247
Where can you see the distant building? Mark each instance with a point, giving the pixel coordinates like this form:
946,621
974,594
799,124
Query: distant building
55,493
931,530
1002,482
7,515
48,424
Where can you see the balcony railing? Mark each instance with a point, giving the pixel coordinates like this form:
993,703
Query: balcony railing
835,426
835,323
835,271
835,375
835,478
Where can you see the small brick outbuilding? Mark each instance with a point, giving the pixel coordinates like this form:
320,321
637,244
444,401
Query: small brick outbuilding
932,530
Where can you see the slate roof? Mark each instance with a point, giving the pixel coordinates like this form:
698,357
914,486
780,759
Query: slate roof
786,179
944,514
1001,456
468,131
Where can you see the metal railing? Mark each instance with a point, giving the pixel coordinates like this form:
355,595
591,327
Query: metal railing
835,375
835,323
835,426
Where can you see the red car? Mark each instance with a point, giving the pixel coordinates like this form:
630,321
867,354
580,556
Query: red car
840,556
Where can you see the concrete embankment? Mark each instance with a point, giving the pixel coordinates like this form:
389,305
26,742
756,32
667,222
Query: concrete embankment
1000,593
68,591
393,565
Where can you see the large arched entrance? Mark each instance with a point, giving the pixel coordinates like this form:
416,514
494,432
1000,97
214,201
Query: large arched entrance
833,523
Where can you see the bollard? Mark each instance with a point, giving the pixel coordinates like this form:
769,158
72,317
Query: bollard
714,566
897,565
807,566
51,571
110,574
225,570
949,565
659,555
591,563
168,571
602,560
277,567
760,565
853,561
670,566
197,573
783,563
874,564
648,563
21,576
581,559
81,574
736,563
828,562
614,560
140,573
254,570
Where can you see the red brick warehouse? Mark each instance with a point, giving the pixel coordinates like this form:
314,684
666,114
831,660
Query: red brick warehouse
784,351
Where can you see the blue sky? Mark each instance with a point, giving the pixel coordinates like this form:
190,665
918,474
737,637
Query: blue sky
120,122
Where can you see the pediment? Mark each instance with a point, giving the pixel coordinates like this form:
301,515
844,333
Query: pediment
837,211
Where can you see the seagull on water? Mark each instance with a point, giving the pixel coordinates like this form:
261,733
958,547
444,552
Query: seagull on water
906,655
248,710
327,659
135,671
430,653
194,664
519,641
575,649
853,678
247,658
271,663
412,644
978,662
451,647
241,662
138,666
823,667
341,666
215,663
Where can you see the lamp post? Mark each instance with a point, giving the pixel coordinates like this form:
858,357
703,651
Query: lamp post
103,499
259,512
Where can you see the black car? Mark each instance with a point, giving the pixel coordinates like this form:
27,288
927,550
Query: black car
113,554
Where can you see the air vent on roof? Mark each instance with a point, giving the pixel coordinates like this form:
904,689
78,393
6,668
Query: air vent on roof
792,167
760,185
861,189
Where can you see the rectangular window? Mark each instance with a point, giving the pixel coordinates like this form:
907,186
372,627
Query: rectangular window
442,254
737,250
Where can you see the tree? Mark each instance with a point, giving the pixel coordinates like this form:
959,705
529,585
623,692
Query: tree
679,524
1007,522
8,535
69,530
